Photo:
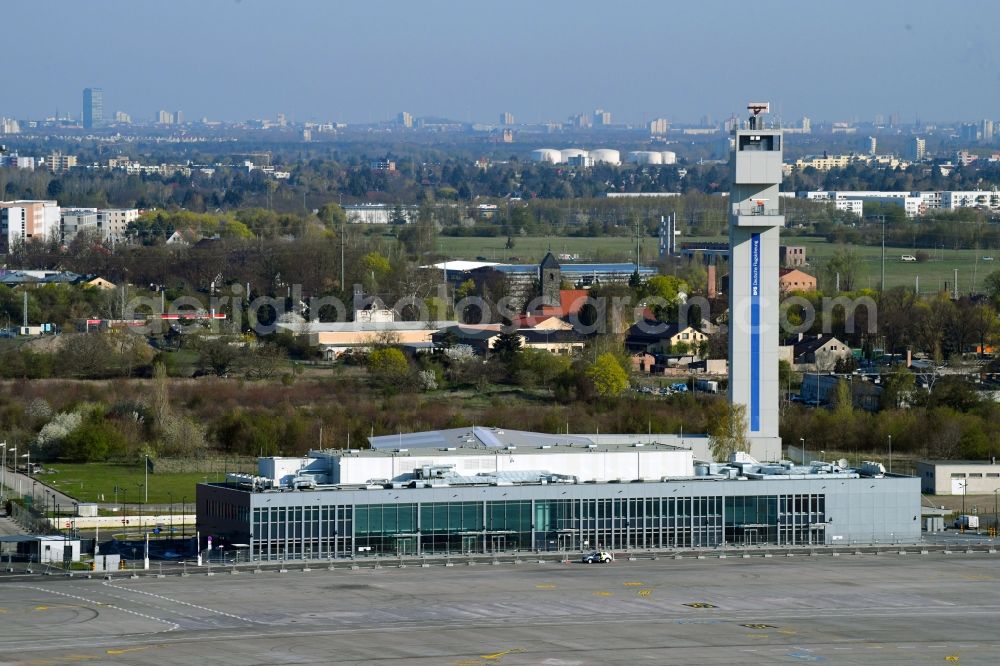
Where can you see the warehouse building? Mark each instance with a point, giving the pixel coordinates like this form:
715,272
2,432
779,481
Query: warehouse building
621,497
959,477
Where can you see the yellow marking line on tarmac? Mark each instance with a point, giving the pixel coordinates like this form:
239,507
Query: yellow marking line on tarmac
633,583
134,649
602,593
500,655
645,593
545,586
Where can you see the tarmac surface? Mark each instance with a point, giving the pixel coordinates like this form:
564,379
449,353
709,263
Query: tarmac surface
850,609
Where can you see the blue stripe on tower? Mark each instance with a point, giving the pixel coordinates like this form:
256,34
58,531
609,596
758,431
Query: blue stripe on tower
755,332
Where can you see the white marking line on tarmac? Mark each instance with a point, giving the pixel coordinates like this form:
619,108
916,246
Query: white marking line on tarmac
131,600
177,601
173,625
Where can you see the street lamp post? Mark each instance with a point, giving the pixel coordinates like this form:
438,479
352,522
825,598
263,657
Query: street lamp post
995,523
184,517
13,465
3,469
802,441
890,454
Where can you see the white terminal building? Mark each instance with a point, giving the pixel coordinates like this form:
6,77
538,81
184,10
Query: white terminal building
491,490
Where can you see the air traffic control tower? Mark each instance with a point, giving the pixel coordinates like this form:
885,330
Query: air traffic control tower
754,223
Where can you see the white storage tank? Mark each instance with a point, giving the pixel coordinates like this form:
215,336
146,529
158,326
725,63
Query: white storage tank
570,153
668,157
645,157
606,155
549,155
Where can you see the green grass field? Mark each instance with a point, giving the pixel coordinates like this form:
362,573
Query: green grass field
96,482
933,274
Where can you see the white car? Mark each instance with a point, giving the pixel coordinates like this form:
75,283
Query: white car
598,557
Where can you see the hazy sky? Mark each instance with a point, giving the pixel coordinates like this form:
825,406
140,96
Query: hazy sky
471,59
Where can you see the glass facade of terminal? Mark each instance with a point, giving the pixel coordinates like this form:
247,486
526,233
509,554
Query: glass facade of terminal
315,529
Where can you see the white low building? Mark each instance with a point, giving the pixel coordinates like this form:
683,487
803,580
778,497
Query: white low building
592,463
378,213
958,477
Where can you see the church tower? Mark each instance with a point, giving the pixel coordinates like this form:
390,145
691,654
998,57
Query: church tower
550,280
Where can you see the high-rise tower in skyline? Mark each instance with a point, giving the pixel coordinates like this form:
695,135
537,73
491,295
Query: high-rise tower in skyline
93,107
754,223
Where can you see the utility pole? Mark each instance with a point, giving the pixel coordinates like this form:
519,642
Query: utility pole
883,252
343,239
637,241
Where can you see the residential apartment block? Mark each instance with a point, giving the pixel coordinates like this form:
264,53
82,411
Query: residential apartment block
913,203
25,220
74,221
112,223
59,163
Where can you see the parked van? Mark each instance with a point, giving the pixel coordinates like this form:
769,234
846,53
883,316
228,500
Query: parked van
907,257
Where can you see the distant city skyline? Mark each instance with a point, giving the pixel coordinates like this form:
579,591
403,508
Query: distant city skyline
366,62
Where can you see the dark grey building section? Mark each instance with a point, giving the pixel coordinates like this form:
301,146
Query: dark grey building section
93,107
686,513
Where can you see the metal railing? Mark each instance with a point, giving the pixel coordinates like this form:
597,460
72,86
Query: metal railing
752,210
